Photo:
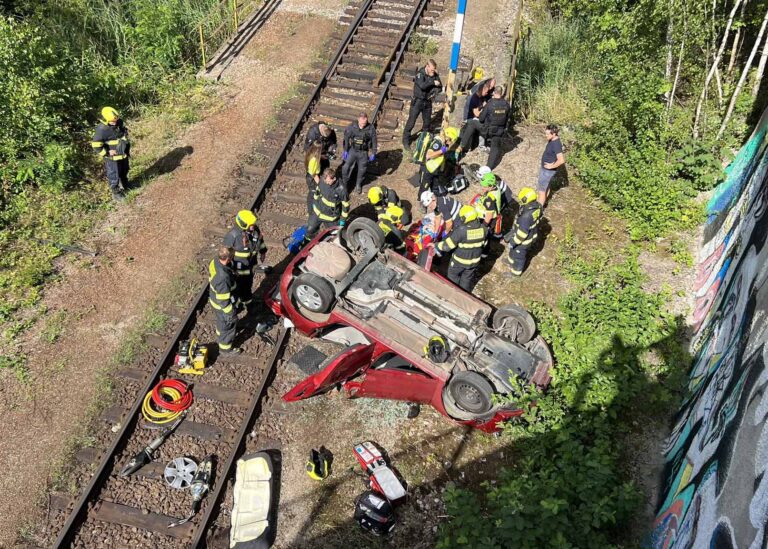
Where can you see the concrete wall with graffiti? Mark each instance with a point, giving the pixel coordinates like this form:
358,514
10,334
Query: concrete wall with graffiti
716,490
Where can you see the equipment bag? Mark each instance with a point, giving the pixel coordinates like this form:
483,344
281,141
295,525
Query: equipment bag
423,142
293,243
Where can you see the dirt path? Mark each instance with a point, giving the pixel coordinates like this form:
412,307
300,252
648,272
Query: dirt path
146,244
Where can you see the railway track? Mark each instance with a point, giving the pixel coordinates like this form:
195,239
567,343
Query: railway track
370,71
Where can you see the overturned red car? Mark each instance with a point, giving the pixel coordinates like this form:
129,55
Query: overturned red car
385,310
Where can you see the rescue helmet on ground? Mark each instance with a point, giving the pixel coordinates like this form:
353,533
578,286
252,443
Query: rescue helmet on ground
526,195
426,198
375,195
245,218
451,133
467,214
108,114
374,513
488,180
436,349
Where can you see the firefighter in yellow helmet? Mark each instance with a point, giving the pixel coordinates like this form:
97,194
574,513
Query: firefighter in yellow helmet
110,142
466,241
381,197
392,224
441,152
249,250
525,230
221,296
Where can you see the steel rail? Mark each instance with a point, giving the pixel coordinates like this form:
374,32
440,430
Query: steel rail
64,539
68,530
221,482
404,39
282,155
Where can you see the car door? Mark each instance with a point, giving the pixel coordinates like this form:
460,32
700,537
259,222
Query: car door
339,368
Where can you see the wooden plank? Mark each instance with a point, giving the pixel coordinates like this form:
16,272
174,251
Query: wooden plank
203,430
347,97
348,115
113,414
356,74
352,85
86,455
156,340
213,233
216,392
133,373
253,170
59,502
282,218
369,49
115,513
291,198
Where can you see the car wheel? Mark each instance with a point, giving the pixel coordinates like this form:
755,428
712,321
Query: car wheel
313,292
364,234
472,392
515,322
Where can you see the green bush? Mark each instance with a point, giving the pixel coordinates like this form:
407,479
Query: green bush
565,485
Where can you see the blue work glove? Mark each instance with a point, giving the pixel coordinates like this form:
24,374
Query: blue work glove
345,155
444,149
371,157
342,222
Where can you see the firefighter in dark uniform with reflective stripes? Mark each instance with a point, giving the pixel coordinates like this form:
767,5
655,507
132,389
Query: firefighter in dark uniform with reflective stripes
222,298
110,141
330,205
381,198
359,149
391,223
246,240
467,242
524,231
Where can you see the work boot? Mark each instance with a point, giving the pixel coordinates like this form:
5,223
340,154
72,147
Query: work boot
117,195
358,189
231,351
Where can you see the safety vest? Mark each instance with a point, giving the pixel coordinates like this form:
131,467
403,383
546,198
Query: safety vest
221,281
247,247
434,164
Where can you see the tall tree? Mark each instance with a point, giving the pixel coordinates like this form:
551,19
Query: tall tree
713,68
743,77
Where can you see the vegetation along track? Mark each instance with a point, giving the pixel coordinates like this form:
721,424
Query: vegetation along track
370,71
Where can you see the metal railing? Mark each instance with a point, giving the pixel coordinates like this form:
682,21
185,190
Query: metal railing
222,23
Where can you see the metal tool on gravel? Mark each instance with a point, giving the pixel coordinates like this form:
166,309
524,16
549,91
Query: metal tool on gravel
200,485
145,456
180,472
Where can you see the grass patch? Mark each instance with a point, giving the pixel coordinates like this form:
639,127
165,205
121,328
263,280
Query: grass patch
54,326
421,44
551,79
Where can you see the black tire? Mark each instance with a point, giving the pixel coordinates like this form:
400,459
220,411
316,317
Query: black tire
516,322
472,392
313,292
364,234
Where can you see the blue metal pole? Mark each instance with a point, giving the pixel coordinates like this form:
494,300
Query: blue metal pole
455,51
